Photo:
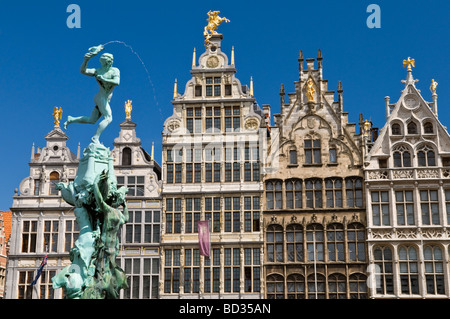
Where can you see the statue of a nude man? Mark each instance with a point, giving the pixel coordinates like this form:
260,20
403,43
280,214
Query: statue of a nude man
108,78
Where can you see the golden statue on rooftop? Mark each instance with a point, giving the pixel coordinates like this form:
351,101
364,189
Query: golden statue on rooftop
433,86
57,115
128,109
408,63
213,23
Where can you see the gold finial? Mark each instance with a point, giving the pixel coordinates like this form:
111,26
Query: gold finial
213,22
175,90
153,151
408,63
310,90
366,128
251,86
433,86
128,109
194,62
232,55
57,115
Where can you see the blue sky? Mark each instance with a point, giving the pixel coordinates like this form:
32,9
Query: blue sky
40,59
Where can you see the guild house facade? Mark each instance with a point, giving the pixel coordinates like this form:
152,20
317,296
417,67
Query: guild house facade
314,207
407,179
44,224
212,172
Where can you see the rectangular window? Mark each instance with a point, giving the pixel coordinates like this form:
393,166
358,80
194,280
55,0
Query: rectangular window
429,205
136,184
380,208
312,151
172,271
198,90
50,236
71,234
333,156
29,235
227,89
405,207
447,204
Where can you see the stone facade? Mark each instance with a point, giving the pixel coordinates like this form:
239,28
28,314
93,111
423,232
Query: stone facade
212,171
140,236
407,178
314,209
43,223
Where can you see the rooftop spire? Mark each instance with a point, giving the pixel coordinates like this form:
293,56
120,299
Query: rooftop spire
232,55
194,63
251,86
175,90
409,78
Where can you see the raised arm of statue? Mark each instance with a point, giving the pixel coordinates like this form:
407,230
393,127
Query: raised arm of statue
93,51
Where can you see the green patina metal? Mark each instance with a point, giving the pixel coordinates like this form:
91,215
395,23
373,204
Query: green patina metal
100,207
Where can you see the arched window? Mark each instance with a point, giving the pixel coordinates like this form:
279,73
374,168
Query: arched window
313,193
412,128
315,242
383,261
293,193
335,242
337,286
274,243
333,190
54,179
353,188
126,156
275,286
428,128
358,286
316,286
295,286
294,242
356,236
402,157
434,270
426,156
409,272
396,129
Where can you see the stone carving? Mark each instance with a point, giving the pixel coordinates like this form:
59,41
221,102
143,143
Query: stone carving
212,62
378,174
252,124
428,173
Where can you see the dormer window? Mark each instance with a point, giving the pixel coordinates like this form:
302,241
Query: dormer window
213,86
428,128
412,128
126,156
54,179
396,129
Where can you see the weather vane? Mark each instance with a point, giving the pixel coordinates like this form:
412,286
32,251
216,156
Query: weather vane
408,63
